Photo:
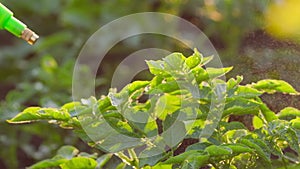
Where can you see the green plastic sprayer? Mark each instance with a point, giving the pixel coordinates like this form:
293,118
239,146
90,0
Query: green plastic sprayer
16,27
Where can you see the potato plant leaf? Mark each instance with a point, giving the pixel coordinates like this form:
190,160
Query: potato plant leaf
198,146
36,113
233,135
67,152
268,114
166,87
157,68
54,162
196,160
260,149
257,122
238,148
194,60
215,150
234,125
234,83
288,113
295,123
167,104
209,73
271,86
217,72
174,61
79,163
174,106
241,107
246,92
67,156
180,158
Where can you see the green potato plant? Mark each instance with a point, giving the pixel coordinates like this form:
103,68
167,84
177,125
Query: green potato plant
175,106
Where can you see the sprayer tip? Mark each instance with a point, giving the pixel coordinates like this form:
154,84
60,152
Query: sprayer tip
29,36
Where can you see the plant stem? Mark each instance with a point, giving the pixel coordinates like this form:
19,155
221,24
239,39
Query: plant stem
132,161
134,157
124,158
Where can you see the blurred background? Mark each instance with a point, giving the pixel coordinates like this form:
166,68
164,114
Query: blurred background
261,39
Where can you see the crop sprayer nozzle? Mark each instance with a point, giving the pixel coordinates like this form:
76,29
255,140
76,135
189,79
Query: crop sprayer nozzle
29,36
16,27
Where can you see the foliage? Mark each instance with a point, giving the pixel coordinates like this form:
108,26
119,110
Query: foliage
25,80
68,157
172,102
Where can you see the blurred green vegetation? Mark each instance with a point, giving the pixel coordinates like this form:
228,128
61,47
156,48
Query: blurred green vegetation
42,74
